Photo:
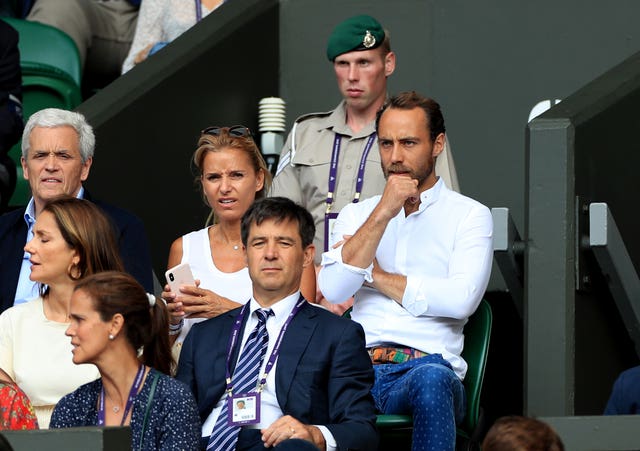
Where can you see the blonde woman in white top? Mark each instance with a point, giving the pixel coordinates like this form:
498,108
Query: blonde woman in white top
72,239
232,174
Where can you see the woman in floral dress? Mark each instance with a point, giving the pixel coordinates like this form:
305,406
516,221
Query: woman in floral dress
15,408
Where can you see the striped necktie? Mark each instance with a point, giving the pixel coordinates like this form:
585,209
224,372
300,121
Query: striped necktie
245,379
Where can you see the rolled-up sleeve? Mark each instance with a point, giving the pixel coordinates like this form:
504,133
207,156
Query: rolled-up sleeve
339,281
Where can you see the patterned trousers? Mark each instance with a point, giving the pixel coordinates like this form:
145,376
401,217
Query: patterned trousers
429,390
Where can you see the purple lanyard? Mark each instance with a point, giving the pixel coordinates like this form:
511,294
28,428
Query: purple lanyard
133,392
198,10
276,349
333,169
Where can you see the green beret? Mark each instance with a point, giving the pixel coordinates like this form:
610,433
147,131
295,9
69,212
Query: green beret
356,33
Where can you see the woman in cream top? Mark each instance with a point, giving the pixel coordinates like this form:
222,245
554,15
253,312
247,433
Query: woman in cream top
72,239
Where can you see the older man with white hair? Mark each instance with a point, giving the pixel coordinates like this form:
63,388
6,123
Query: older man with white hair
57,153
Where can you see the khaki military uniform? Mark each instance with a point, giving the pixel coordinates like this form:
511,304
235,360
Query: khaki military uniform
303,174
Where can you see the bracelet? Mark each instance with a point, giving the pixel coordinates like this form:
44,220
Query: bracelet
174,329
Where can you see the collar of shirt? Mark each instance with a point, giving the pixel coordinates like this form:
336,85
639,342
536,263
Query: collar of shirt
337,121
30,212
281,310
30,215
270,409
431,195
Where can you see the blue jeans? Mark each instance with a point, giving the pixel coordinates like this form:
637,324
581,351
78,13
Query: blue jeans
429,390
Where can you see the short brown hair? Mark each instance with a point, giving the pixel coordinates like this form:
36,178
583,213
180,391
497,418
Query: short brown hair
517,433
385,47
409,100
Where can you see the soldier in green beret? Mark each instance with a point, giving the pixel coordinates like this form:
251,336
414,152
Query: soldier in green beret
331,159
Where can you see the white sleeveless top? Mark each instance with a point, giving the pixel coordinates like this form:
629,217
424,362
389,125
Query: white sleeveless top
236,286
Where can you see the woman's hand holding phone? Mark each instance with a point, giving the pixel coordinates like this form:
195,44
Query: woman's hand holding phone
178,276
202,303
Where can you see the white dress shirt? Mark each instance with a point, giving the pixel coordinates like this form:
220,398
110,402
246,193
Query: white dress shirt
270,410
444,249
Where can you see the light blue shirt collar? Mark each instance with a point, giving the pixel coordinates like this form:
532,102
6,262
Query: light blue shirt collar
30,215
30,212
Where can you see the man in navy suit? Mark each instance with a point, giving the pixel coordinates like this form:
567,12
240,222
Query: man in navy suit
317,395
57,152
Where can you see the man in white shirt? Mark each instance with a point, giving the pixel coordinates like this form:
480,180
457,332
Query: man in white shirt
313,387
418,259
331,159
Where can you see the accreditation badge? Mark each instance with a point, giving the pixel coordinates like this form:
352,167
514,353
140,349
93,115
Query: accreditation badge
243,408
329,223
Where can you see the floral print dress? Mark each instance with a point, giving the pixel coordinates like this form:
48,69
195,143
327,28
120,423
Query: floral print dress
16,412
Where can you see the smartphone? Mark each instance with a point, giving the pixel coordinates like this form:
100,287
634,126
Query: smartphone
178,276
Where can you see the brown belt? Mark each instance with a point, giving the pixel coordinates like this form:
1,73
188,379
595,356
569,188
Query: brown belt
390,354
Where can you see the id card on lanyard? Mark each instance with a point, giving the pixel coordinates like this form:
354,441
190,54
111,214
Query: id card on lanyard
329,216
244,408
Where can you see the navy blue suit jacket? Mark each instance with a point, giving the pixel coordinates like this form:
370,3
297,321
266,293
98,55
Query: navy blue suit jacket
625,396
132,240
323,373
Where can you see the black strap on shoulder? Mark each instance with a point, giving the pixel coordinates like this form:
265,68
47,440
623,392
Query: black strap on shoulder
147,410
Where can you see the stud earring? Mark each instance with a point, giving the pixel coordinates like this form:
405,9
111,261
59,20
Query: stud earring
111,336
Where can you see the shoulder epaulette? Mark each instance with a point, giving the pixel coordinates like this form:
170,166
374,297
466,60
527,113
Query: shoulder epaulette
306,116
288,159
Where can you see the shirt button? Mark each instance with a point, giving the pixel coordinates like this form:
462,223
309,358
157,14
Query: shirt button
349,166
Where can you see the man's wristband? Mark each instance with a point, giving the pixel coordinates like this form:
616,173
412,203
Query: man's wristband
174,329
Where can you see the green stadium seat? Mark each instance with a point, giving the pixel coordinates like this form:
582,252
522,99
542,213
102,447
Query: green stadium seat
45,45
51,77
397,429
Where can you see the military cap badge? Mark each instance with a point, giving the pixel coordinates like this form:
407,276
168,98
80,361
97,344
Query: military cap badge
355,34
369,40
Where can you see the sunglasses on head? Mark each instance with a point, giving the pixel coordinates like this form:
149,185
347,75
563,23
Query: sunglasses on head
235,130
